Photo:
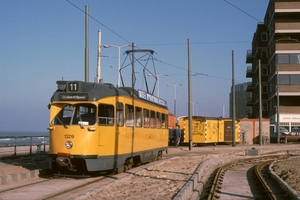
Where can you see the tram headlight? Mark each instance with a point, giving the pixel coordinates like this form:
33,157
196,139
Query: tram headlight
61,85
68,144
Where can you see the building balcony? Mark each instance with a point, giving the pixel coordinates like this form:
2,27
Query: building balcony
287,46
289,89
249,72
250,87
289,109
264,60
281,6
249,56
287,26
250,101
288,67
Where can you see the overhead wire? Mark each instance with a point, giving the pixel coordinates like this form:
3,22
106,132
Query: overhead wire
198,73
202,43
98,22
284,35
243,11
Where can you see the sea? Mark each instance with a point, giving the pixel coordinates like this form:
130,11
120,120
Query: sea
23,138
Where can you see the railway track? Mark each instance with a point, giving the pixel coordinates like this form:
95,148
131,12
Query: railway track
167,177
244,179
59,187
51,188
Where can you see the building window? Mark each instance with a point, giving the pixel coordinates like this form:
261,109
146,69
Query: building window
294,58
264,88
288,58
264,53
264,37
265,106
295,79
265,71
283,59
284,80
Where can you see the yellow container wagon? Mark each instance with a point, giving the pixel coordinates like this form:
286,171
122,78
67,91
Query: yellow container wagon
205,130
225,135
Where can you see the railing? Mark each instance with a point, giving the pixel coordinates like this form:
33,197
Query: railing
23,144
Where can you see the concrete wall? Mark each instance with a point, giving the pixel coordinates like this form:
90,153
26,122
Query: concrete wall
250,131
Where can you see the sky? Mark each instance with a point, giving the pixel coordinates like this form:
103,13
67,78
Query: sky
44,41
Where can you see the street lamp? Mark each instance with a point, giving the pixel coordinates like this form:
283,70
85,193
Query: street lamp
174,95
193,107
158,75
119,47
197,111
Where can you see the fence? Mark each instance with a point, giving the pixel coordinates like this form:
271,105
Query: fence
23,145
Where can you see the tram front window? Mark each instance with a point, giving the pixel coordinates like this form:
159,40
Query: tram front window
78,114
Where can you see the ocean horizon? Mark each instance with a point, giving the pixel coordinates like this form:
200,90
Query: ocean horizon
23,133
10,138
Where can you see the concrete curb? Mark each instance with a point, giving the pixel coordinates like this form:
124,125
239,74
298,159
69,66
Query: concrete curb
12,178
193,188
290,191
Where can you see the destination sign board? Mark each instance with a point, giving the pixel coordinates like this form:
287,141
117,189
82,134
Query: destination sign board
73,97
151,98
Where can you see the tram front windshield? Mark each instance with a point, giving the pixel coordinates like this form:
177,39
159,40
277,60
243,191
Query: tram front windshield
77,114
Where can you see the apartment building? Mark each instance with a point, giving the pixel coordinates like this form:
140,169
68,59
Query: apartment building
275,58
241,97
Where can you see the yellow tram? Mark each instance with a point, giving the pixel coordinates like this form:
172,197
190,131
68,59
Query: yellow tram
98,127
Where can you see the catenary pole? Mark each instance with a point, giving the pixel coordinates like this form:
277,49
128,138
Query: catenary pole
260,103
99,58
233,102
86,44
190,99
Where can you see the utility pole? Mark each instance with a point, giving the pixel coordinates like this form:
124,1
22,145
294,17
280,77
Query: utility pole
190,99
86,44
260,103
98,77
233,102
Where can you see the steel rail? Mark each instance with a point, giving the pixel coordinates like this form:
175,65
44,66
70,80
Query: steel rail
258,169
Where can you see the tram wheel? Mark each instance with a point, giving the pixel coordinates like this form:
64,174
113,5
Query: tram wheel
159,155
128,164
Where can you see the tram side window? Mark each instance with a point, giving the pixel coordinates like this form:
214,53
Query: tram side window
152,119
158,120
146,118
120,114
163,121
129,113
106,114
138,117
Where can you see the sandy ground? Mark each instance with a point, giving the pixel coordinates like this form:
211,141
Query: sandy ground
23,164
160,181
165,180
289,171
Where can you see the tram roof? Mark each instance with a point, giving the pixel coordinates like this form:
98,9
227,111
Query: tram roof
88,91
